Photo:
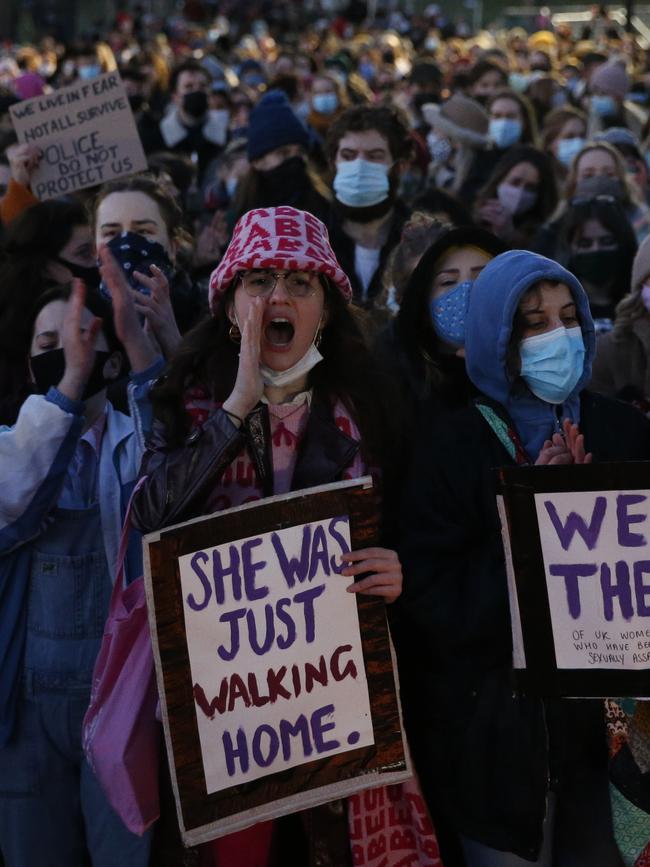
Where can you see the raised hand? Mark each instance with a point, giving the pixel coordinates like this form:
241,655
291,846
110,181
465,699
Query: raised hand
78,344
385,578
157,309
139,348
249,386
23,160
576,443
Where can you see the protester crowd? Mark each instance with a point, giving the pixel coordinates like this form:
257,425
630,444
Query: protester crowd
402,249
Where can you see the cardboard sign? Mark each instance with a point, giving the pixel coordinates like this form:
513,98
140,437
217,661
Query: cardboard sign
86,134
277,686
577,543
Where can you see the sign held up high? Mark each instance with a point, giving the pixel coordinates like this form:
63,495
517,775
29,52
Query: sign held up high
277,685
86,134
577,544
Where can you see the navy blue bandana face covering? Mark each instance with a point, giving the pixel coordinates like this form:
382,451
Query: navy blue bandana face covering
136,253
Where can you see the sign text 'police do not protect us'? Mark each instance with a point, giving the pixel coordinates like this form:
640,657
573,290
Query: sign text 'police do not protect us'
86,135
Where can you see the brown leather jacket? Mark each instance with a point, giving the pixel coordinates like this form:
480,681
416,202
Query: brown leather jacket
178,483
179,479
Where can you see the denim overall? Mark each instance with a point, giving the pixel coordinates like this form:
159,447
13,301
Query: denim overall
52,810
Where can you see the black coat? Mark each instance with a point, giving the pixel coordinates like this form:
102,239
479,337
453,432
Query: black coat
481,750
344,246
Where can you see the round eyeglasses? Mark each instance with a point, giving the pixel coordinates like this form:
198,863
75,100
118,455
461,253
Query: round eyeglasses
299,284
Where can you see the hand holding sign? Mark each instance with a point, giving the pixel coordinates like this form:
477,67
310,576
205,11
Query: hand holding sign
385,568
23,161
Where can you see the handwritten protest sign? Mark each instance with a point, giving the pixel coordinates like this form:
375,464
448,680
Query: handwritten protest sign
86,134
277,686
578,548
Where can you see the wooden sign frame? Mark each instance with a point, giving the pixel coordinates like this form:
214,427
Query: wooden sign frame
534,660
205,816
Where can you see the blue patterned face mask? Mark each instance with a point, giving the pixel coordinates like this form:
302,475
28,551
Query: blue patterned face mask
136,253
448,313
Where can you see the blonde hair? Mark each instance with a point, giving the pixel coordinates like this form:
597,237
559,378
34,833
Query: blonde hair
629,199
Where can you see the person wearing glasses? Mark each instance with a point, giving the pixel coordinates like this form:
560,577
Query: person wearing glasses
274,391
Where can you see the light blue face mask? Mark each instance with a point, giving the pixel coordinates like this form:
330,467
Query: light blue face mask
519,81
360,184
603,106
505,131
88,72
325,103
552,363
449,311
568,149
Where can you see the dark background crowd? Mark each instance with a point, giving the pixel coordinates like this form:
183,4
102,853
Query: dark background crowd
430,148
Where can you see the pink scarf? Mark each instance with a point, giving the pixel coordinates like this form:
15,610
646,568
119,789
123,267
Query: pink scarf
239,483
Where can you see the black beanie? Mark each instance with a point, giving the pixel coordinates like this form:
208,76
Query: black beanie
273,123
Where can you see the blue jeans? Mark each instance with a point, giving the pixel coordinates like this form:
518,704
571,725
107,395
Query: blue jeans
52,811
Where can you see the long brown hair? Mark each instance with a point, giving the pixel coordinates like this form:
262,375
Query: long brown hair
208,358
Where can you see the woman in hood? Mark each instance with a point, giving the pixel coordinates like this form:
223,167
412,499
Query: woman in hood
493,762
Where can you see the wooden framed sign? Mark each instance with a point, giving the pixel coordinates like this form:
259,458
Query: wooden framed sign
277,687
86,134
577,544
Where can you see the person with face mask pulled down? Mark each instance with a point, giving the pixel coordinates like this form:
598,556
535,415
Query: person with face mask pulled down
277,149
366,147
189,125
67,468
521,780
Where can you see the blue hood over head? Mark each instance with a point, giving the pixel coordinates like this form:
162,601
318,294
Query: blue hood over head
493,303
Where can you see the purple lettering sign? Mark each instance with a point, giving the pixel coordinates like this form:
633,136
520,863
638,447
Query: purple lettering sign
275,652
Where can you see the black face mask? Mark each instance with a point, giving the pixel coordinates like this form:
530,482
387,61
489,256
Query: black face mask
599,267
48,369
195,103
136,101
88,273
283,184
421,99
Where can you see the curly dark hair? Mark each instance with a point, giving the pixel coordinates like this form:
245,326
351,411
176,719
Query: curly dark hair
387,120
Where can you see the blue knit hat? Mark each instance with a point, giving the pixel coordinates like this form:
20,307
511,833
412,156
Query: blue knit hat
272,124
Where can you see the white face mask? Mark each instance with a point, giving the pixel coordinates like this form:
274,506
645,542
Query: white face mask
301,368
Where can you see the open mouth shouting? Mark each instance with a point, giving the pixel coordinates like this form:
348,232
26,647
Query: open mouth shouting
279,333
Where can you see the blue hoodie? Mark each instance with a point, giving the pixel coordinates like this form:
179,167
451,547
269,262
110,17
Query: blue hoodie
493,302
